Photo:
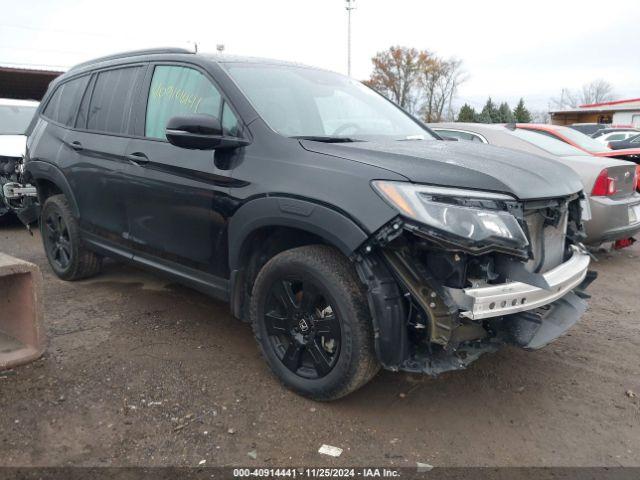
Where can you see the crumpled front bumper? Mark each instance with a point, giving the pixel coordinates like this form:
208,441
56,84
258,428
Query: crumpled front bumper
514,297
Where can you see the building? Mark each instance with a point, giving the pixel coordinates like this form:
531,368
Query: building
26,82
620,112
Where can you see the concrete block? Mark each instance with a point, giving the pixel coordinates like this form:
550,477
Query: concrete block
22,336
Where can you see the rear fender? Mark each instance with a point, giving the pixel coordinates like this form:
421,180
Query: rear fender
38,170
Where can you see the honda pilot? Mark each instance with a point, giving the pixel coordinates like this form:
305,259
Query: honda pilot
345,231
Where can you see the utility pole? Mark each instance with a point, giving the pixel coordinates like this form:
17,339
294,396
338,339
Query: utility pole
351,5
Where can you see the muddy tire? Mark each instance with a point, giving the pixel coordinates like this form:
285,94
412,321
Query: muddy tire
310,317
68,258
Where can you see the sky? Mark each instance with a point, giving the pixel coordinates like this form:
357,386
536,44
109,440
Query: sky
509,49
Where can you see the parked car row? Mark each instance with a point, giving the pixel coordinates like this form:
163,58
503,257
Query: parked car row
348,233
610,184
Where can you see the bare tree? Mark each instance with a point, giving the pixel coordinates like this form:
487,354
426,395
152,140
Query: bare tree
567,99
439,80
594,92
395,74
540,116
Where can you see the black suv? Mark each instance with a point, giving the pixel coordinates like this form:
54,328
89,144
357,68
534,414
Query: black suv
349,234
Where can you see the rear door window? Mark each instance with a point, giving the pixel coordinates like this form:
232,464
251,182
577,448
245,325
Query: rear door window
112,100
64,103
177,90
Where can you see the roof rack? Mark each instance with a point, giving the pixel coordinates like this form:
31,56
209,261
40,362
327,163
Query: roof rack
132,53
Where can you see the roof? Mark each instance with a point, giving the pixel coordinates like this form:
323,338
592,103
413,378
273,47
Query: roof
615,106
218,58
133,53
604,104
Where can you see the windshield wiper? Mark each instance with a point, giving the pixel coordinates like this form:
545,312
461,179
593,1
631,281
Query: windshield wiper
326,138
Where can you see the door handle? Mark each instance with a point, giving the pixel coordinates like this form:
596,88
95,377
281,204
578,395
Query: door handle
138,158
76,145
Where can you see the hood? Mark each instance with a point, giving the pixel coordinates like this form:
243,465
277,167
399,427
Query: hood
12,145
462,164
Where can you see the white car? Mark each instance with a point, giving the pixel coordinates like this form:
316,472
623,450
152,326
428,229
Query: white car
615,136
15,116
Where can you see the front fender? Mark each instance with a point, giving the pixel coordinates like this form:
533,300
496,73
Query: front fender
331,225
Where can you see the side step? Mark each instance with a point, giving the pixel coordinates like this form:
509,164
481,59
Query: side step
22,337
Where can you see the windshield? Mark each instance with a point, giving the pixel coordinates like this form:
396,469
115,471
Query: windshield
15,119
582,140
305,102
547,143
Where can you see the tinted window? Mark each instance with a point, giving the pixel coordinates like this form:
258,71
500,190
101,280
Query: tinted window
81,119
112,100
64,103
179,90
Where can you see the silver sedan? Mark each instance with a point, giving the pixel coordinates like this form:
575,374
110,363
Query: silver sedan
610,184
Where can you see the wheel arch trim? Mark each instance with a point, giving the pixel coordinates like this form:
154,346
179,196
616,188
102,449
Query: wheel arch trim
281,211
40,170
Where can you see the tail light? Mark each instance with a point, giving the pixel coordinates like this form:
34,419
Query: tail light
605,185
624,243
637,180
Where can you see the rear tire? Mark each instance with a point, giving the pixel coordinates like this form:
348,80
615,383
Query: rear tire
68,258
312,322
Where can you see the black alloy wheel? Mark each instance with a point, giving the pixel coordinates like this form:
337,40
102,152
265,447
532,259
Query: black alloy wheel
57,240
302,327
68,256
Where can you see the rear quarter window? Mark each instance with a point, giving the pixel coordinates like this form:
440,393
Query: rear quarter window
64,103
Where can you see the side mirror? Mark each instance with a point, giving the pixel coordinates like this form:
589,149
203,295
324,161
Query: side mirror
450,139
199,132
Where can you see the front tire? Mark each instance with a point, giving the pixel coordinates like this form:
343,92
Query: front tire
310,317
68,258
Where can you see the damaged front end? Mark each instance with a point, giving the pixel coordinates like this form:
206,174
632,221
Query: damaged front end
15,195
460,273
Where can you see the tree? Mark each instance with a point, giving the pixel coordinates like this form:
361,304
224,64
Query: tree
417,80
489,113
395,74
521,114
596,92
439,80
466,114
504,113
540,116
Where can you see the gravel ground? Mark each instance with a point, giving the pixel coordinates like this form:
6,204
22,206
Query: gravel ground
142,372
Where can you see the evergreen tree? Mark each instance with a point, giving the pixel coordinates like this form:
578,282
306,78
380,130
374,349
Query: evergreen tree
466,114
504,113
489,113
521,114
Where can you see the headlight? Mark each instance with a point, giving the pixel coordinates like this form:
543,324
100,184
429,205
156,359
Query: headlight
465,216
